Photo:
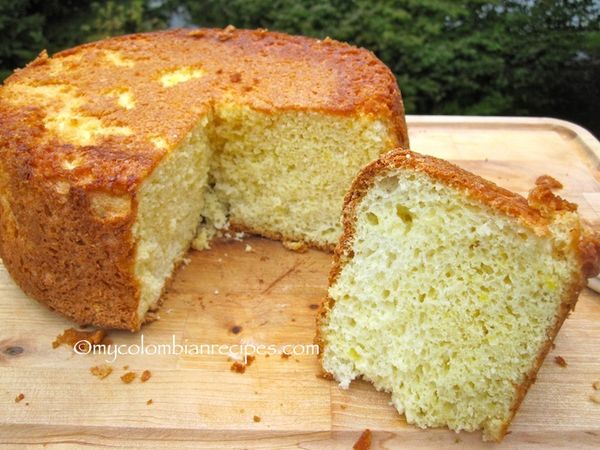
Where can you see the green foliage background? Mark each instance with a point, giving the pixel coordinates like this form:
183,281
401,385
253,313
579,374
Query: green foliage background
483,57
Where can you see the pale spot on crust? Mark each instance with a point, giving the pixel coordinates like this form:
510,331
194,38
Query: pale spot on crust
62,187
180,75
64,118
110,207
72,163
59,65
117,59
159,142
125,98
81,129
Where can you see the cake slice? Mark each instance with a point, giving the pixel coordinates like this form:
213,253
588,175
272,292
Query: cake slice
447,290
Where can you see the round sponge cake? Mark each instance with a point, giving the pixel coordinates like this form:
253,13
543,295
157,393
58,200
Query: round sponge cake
114,154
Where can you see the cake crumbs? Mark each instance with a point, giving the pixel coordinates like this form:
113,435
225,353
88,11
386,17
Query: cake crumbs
596,385
146,375
236,329
256,419
216,292
313,306
101,371
248,248
72,337
126,367
364,441
238,367
595,397
149,402
296,246
560,361
128,377
285,355
19,397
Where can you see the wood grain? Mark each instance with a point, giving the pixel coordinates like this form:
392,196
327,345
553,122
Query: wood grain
228,295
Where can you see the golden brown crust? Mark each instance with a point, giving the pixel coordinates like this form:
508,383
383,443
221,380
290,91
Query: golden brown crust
59,253
536,212
253,68
56,244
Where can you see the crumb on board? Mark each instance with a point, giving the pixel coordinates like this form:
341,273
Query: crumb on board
560,361
324,375
256,418
364,441
248,248
149,402
285,355
313,306
238,367
125,367
152,316
296,246
216,292
549,182
596,385
236,329
101,371
595,397
146,375
71,337
128,377
19,397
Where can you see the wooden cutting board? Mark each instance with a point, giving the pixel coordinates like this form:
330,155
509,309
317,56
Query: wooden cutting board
268,296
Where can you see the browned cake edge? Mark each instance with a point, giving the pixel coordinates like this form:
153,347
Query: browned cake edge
535,211
65,257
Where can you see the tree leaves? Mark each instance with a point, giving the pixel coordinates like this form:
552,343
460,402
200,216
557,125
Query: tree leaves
514,57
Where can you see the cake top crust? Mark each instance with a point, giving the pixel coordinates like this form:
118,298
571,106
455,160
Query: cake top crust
101,115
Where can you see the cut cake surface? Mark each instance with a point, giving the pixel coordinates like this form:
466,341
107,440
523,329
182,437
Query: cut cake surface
447,290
